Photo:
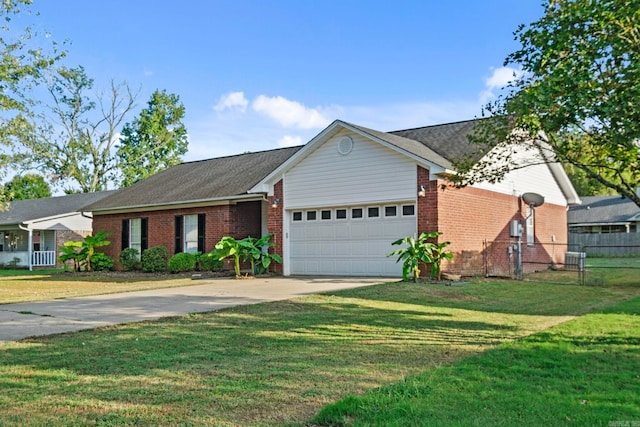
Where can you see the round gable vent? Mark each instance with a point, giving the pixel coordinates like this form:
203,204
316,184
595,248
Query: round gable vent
345,145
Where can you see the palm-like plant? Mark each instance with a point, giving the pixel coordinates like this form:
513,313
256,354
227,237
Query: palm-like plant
72,251
90,244
249,249
81,252
420,250
254,252
228,247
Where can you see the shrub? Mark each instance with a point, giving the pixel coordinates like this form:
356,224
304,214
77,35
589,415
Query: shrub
182,262
130,259
204,262
155,259
101,262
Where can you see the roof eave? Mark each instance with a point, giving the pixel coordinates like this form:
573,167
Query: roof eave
177,204
266,184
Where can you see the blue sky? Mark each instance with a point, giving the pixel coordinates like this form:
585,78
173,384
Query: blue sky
256,75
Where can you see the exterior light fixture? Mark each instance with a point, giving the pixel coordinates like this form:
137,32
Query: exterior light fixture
275,203
422,192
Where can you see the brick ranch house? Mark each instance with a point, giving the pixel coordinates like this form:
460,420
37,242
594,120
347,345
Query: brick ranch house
335,204
32,231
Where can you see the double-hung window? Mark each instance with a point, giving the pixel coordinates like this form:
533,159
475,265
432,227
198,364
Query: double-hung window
189,233
135,234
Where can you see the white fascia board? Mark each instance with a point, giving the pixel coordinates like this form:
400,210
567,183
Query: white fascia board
434,169
565,184
32,222
558,172
182,204
266,185
277,174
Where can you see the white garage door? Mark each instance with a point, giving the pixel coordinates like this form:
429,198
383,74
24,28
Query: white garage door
350,241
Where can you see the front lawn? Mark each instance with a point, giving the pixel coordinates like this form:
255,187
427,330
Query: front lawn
583,373
23,286
280,363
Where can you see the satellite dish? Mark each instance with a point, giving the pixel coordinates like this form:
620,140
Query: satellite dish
533,199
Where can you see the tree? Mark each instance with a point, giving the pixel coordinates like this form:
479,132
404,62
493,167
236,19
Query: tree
22,62
155,140
75,134
29,186
576,100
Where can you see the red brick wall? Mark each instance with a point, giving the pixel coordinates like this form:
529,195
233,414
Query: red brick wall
239,221
470,218
275,218
427,205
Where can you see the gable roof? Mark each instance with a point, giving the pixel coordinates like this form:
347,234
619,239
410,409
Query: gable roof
448,140
603,210
221,178
24,211
405,143
406,146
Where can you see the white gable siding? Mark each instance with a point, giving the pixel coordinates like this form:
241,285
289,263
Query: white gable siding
536,178
370,173
74,222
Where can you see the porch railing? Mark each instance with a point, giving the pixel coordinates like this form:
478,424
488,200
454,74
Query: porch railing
42,258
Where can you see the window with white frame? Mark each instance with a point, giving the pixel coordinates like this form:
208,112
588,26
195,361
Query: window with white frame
135,234
190,233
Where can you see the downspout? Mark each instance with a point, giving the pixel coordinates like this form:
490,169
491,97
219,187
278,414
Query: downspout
29,246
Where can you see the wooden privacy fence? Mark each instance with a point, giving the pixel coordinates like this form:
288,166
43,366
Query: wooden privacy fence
612,244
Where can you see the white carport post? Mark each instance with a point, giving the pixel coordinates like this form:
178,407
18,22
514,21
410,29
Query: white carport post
29,246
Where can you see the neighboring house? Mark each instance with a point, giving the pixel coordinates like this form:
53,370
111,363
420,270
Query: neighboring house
335,204
605,225
31,231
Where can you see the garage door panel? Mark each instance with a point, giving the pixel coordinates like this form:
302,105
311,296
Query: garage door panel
352,246
327,249
343,249
341,231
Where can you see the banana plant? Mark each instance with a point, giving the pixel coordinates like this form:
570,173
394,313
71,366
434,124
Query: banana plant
90,243
248,249
229,247
255,253
420,250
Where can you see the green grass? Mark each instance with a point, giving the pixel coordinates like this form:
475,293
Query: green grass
619,271
280,363
583,372
24,285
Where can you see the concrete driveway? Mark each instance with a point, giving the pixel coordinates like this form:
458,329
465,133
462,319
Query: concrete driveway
23,320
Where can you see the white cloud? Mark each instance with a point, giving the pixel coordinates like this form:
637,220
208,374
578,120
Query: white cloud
499,78
273,122
290,114
234,101
289,141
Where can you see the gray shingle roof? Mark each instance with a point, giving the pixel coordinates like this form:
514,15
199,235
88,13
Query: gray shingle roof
405,143
218,178
602,209
18,212
448,140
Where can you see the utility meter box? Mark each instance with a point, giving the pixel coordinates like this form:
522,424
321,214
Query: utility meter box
515,230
